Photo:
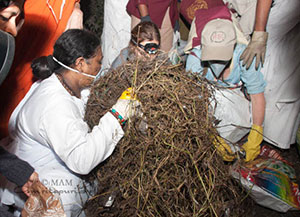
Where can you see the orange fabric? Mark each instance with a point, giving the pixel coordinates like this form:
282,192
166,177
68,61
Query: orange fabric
35,39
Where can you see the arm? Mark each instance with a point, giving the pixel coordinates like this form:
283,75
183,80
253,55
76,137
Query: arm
258,108
255,137
258,43
255,84
68,135
143,8
63,129
262,14
14,169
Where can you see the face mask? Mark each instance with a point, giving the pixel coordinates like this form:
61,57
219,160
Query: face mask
217,67
98,75
95,77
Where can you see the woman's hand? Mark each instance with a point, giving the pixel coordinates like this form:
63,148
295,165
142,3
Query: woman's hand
27,186
126,107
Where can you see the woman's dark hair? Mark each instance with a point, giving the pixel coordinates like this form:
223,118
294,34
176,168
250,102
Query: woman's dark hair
144,31
72,44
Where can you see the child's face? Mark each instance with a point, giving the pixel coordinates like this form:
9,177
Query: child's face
147,50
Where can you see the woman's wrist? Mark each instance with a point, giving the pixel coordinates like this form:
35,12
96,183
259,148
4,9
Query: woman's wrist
119,117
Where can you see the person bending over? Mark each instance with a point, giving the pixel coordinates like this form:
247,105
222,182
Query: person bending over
48,125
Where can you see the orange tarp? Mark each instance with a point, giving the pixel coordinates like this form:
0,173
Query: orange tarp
35,39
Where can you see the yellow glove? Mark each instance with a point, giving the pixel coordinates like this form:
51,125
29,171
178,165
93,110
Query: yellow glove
127,94
126,107
252,146
223,149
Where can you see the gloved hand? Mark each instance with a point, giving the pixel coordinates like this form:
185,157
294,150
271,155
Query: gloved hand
127,94
146,18
252,146
143,126
256,47
127,105
223,149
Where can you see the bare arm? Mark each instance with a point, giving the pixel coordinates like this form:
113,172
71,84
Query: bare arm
255,137
258,43
143,10
258,108
262,14
13,168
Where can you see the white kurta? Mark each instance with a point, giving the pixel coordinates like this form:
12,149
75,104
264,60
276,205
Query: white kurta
282,73
49,133
116,30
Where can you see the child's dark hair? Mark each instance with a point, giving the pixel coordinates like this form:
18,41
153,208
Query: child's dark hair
144,31
72,44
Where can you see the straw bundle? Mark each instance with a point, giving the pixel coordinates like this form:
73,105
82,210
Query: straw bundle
172,168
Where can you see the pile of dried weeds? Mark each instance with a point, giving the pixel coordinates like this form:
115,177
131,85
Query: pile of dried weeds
173,168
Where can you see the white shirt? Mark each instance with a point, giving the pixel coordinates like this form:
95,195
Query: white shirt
49,132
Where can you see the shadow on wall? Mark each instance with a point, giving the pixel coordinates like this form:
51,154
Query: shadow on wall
93,12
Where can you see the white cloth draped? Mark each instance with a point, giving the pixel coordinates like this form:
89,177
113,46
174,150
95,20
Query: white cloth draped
116,30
